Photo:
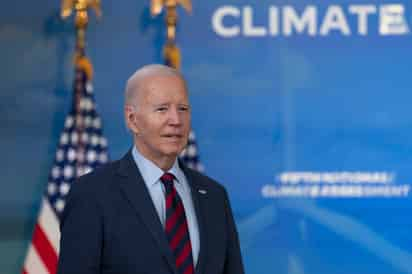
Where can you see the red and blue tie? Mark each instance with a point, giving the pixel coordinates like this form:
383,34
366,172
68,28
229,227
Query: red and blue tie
176,227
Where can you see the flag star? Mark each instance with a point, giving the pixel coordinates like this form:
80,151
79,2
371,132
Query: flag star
59,155
64,188
51,188
64,139
94,140
87,121
97,123
55,172
69,122
68,172
191,151
103,141
89,88
59,205
88,104
91,156
71,154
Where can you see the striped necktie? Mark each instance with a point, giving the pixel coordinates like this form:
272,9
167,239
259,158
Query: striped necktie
176,227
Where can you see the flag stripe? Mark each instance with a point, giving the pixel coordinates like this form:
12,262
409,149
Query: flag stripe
45,249
33,264
49,224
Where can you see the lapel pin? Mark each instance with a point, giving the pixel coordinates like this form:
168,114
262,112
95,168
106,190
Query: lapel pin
202,191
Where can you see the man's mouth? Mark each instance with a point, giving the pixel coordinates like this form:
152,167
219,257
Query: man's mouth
172,136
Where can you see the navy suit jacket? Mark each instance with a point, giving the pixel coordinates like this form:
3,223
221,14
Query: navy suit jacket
110,225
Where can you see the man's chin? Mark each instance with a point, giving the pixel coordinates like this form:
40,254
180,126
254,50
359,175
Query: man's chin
173,151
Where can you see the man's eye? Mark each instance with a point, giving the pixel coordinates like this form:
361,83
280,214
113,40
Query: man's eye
183,108
161,109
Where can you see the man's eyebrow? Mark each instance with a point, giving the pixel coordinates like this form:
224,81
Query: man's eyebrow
160,104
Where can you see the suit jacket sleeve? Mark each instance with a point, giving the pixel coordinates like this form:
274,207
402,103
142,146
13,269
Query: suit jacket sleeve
233,263
81,233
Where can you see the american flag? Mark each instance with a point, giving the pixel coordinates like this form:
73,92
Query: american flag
82,147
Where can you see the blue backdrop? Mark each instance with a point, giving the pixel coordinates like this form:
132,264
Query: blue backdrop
301,109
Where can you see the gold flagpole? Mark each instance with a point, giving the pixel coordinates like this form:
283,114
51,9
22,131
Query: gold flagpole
171,52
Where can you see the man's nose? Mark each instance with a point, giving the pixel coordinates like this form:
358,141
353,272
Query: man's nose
175,116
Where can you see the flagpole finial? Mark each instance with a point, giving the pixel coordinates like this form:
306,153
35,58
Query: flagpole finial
156,6
80,8
171,52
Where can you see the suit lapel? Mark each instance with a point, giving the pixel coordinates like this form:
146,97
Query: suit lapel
135,191
199,202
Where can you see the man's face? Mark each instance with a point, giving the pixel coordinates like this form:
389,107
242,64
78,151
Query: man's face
162,118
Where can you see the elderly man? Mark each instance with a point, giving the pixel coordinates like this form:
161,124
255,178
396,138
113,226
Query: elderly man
147,212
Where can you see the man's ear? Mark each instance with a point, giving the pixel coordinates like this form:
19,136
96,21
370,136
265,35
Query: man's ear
130,119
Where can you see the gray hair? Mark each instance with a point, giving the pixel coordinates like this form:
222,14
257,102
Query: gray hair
135,81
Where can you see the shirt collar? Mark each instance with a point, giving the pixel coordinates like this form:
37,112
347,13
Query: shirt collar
150,172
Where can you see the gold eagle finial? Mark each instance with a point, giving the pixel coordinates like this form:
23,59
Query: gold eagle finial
156,6
79,5
171,52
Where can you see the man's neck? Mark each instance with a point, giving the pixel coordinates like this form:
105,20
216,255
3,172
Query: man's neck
165,163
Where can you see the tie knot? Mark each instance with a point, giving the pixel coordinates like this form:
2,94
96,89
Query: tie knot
167,178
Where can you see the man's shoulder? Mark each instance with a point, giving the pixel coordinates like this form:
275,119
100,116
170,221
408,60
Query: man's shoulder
102,172
98,179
